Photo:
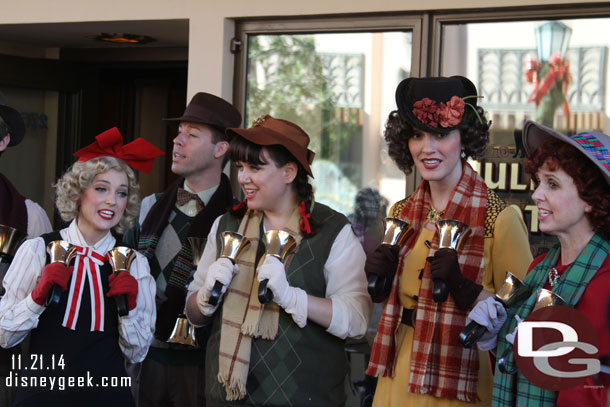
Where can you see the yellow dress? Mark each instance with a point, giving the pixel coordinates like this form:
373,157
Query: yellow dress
507,250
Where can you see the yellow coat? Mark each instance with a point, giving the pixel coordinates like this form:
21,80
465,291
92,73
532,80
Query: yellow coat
506,249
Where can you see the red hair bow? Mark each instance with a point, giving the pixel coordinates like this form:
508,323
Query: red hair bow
139,154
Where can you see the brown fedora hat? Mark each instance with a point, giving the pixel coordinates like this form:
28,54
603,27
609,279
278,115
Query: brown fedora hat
268,131
205,108
423,99
14,121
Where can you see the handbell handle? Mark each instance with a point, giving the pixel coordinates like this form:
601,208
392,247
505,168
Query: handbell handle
440,291
216,293
471,334
265,295
121,304
502,362
278,244
63,252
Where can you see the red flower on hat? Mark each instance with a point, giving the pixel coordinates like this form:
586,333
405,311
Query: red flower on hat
426,112
451,114
432,114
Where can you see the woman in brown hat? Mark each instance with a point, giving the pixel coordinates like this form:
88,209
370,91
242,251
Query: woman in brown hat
416,353
573,179
289,351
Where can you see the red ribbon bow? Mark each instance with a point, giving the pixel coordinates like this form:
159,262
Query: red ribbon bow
240,205
305,227
139,154
559,71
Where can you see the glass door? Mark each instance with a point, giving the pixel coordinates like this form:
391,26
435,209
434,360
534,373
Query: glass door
339,87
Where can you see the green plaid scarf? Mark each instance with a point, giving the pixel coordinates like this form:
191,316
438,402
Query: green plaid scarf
516,390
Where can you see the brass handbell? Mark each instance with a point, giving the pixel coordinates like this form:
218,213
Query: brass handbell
451,234
10,240
544,298
63,252
232,245
120,259
512,291
183,333
397,232
278,244
547,298
197,246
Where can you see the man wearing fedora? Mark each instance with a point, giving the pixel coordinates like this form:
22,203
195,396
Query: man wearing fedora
173,375
17,211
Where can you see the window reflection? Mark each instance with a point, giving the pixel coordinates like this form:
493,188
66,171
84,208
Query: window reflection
340,89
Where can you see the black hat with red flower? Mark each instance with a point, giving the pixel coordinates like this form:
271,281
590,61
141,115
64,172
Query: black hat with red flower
435,105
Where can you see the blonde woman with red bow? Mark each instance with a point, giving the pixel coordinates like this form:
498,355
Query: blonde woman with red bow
78,347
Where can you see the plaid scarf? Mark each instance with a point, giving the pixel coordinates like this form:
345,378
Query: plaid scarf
516,390
243,317
152,228
439,365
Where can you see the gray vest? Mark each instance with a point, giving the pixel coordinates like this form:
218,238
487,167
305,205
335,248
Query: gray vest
300,367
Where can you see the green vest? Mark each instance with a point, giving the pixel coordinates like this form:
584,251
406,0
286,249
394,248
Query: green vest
300,367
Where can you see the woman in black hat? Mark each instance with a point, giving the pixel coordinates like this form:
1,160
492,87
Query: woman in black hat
573,179
289,351
416,354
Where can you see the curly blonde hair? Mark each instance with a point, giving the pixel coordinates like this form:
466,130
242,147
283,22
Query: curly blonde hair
78,178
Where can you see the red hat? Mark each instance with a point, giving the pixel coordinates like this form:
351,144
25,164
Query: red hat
139,154
267,131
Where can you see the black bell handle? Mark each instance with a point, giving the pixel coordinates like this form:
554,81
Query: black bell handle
440,292
502,362
379,287
265,295
121,304
471,334
54,296
216,293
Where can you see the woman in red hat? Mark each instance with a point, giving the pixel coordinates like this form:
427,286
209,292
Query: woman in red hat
289,351
416,355
572,176
78,346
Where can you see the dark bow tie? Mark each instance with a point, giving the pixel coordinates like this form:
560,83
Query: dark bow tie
185,196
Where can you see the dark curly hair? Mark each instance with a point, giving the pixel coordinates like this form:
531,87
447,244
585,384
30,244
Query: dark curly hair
590,183
243,150
474,134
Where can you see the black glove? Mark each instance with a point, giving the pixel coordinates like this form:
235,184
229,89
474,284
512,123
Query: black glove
380,268
444,266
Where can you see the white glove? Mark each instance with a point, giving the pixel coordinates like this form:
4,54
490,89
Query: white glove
293,300
492,315
511,336
221,270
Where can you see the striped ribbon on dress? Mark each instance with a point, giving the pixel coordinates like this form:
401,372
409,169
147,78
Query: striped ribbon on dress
87,266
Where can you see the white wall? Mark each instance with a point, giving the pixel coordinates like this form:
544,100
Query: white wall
211,22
